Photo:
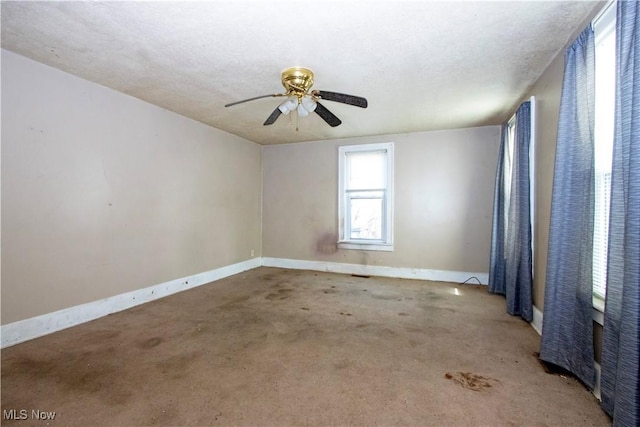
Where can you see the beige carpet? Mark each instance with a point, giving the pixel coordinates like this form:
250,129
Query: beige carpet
282,347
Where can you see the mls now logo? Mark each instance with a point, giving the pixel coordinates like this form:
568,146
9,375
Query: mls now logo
23,414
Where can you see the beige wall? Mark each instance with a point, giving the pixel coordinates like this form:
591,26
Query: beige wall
547,91
103,193
444,184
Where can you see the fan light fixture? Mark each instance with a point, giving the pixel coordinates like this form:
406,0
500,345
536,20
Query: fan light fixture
297,82
305,105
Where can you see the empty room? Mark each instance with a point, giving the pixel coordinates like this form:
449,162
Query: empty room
320,213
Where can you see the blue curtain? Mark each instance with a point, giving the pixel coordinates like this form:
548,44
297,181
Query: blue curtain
497,266
510,264
620,383
567,331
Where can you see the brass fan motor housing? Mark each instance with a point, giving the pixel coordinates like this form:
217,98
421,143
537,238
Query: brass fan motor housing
297,80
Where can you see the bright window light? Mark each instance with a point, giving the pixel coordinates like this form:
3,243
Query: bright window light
605,40
366,196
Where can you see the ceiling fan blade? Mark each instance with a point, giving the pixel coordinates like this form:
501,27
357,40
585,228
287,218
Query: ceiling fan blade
254,98
327,115
358,101
273,117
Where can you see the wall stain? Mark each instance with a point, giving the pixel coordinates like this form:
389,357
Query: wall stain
327,244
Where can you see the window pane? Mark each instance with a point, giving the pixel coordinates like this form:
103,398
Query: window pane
603,150
366,218
605,101
601,233
507,170
365,200
366,170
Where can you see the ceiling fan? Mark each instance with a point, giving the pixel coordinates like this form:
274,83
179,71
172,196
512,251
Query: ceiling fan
297,82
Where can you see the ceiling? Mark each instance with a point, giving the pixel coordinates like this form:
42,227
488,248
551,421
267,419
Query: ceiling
422,65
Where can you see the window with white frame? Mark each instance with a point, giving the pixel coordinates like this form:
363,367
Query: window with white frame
366,196
605,40
507,169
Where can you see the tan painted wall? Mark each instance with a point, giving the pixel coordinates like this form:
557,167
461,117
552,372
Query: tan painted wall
444,184
547,91
103,193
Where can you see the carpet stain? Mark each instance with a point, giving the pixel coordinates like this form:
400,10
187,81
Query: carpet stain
150,343
471,381
117,396
384,297
176,366
84,372
433,296
280,294
414,343
342,364
387,333
99,337
235,301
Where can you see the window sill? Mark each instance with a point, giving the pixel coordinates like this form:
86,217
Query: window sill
365,246
598,310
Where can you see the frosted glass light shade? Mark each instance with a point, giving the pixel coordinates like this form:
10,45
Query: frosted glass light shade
309,104
290,104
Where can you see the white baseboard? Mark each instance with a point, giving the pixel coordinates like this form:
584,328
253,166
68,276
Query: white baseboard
24,330
376,270
536,323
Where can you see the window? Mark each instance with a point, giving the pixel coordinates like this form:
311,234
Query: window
366,196
508,171
508,166
605,39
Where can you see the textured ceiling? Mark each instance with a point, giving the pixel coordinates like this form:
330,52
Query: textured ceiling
422,65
